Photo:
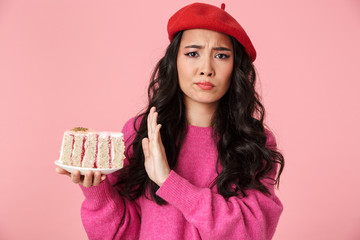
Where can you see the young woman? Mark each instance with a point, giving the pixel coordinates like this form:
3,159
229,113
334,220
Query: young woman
199,162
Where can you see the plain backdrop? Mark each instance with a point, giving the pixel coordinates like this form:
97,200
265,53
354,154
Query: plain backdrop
68,63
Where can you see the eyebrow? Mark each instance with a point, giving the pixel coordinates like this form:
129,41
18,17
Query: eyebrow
215,48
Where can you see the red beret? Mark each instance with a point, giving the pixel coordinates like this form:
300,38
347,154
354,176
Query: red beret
201,15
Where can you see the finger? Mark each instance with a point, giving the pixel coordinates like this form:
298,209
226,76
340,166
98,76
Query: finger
60,170
145,147
88,179
97,176
157,133
75,176
153,115
153,124
156,121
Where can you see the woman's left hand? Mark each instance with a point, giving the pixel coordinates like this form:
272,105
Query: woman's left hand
156,164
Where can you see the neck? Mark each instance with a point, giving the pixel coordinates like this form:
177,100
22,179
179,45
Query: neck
200,114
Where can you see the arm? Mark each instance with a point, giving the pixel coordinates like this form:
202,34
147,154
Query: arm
253,217
104,213
107,215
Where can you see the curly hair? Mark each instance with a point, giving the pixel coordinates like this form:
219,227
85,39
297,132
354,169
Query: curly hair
238,123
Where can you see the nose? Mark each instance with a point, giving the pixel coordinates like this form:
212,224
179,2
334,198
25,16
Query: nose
207,68
205,73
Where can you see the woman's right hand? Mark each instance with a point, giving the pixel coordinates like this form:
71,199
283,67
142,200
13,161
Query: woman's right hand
87,180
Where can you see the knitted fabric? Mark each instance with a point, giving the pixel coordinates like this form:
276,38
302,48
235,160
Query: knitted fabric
194,210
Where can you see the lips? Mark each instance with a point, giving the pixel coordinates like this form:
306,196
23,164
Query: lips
205,85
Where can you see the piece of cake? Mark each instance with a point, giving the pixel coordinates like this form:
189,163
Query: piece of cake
82,147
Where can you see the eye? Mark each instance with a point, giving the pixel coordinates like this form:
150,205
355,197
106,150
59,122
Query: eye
222,56
192,54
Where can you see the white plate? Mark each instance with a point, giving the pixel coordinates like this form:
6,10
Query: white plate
82,170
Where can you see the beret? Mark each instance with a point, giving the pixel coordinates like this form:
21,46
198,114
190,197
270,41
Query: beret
206,16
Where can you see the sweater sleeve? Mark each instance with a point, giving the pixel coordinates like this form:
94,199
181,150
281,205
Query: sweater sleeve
252,217
107,215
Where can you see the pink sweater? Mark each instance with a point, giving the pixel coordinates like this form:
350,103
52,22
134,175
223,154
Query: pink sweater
194,211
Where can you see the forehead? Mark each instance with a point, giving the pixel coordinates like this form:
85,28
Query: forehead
205,36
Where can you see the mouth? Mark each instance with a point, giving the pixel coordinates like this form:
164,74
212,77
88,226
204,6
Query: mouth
205,85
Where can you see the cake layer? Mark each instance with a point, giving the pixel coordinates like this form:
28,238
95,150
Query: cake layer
77,150
117,150
66,148
103,157
90,149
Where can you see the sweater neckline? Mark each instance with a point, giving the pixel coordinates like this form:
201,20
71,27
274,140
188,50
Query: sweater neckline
195,130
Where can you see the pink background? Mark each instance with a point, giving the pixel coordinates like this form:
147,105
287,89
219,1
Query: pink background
87,63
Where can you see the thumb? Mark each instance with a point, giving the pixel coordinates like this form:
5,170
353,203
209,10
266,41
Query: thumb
60,170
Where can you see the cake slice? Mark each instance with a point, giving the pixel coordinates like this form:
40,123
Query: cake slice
90,149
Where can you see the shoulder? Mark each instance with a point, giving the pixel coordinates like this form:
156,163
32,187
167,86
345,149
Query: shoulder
270,139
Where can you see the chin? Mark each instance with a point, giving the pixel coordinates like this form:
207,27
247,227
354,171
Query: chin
208,101
203,99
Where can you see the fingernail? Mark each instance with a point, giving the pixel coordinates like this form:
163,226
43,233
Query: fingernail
103,177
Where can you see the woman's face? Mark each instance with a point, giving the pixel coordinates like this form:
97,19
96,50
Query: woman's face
204,64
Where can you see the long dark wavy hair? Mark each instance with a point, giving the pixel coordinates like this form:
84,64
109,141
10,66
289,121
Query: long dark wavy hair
238,123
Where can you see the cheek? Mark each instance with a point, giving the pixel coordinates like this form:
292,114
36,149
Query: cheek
181,76
227,71
184,71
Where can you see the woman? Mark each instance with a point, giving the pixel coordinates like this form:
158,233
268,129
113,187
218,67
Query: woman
199,162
